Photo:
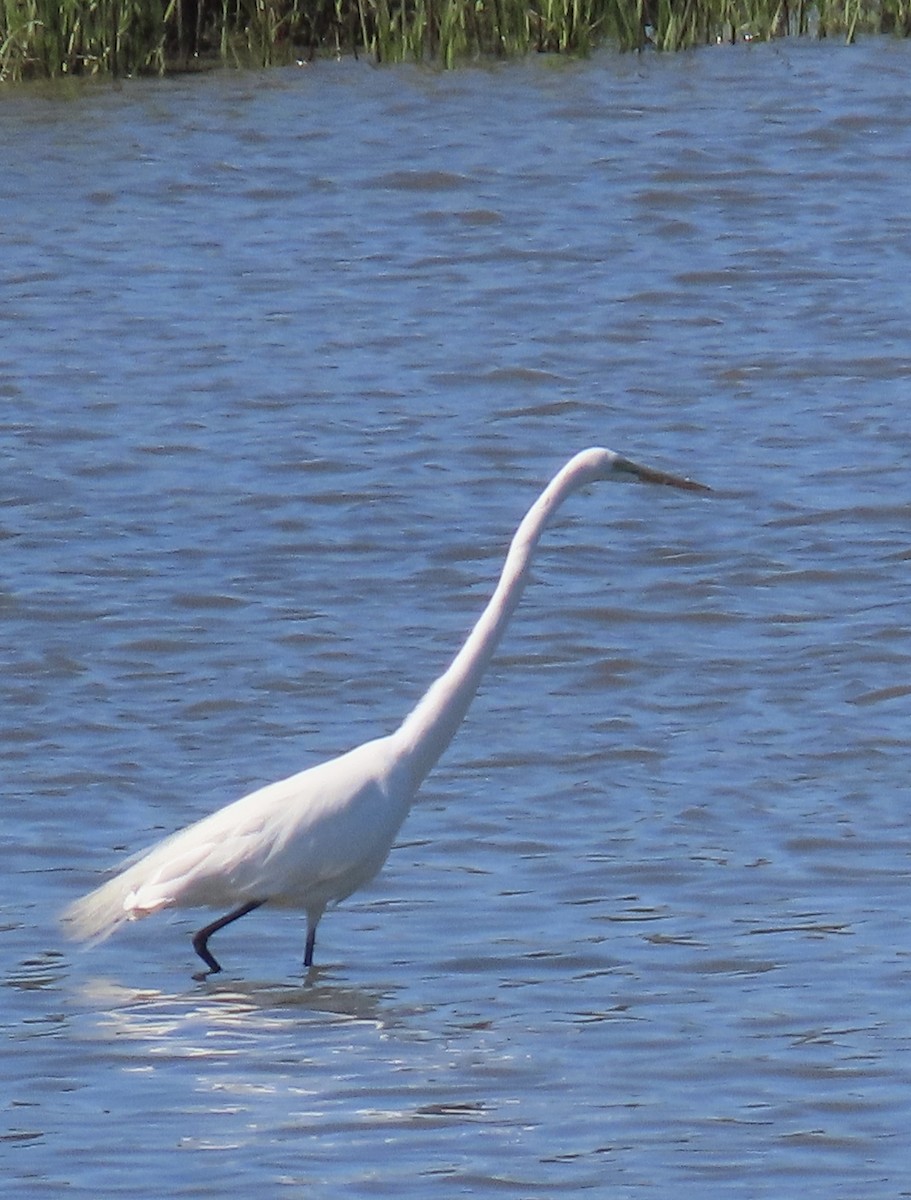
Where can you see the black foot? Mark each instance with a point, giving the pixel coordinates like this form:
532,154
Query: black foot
202,976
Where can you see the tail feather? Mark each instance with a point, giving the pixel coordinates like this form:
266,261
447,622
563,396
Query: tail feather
94,917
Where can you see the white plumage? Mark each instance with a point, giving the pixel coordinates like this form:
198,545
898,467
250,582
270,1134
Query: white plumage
311,840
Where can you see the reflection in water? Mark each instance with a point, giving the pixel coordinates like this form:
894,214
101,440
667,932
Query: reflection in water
246,1007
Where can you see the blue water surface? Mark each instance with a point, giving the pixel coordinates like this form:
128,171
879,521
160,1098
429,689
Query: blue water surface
284,359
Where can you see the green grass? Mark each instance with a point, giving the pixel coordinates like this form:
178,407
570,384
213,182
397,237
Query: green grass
41,39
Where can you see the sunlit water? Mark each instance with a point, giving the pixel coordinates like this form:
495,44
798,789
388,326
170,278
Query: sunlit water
283,360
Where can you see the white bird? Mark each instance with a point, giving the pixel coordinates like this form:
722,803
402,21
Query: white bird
311,840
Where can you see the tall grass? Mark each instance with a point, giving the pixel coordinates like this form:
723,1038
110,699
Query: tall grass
38,37
43,38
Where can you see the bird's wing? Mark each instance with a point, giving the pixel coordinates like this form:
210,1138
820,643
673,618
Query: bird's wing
313,833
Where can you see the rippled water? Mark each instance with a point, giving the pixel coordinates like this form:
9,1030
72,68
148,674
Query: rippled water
284,359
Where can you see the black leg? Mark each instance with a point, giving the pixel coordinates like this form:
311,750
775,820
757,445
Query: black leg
311,941
201,938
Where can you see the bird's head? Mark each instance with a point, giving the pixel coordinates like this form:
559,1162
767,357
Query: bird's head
598,463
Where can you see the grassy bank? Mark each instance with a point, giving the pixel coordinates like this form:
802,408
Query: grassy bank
49,38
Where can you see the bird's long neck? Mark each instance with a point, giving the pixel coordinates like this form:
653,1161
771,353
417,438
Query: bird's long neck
431,725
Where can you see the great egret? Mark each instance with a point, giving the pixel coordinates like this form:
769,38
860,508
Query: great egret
313,839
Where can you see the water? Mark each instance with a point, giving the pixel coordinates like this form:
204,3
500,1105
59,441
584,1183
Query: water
284,359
